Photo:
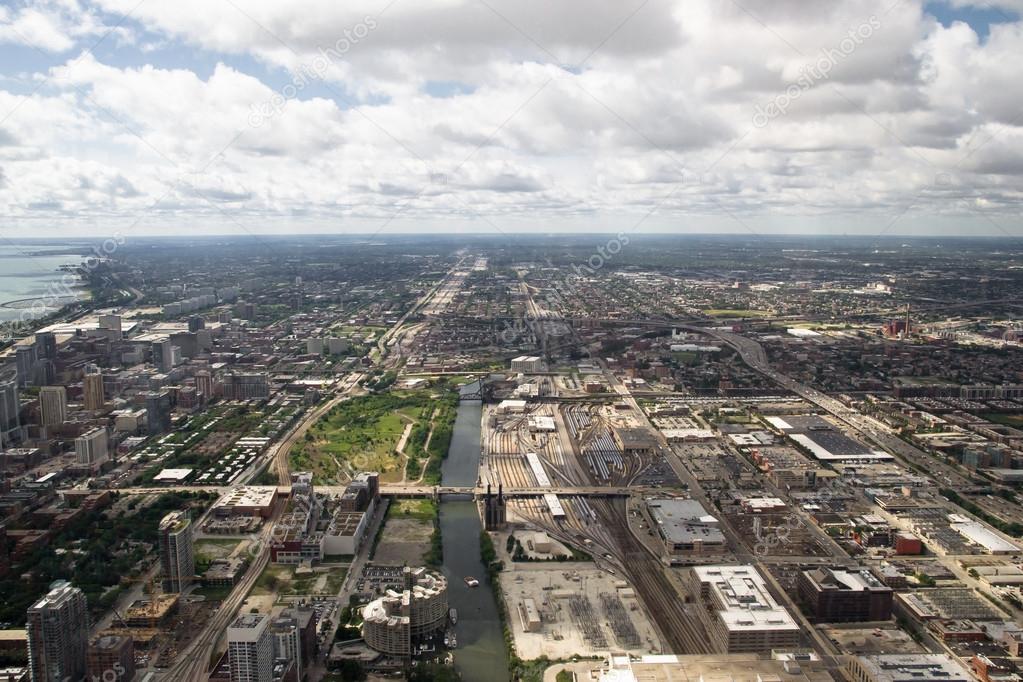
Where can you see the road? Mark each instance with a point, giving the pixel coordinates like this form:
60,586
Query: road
194,661
753,355
696,492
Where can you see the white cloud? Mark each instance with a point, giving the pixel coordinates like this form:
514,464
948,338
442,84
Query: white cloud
55,25
565,113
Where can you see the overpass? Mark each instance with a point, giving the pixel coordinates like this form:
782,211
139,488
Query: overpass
399,490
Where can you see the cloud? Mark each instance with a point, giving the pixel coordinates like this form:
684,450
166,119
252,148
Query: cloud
515,114
54,25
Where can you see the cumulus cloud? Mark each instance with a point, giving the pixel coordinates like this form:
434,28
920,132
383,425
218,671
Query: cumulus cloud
461,114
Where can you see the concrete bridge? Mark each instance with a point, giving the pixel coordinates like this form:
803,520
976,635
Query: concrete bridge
411,491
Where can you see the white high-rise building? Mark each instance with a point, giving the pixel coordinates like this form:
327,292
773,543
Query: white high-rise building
58,634
92,448
250,648
53,405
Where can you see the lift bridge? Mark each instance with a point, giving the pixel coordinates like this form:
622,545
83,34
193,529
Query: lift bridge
477,390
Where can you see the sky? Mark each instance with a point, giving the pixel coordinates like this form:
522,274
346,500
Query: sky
148,117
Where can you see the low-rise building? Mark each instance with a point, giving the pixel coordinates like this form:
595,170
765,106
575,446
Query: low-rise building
685,527
841,596
905,668
738,610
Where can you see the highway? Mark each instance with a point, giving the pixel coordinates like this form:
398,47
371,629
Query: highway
753,355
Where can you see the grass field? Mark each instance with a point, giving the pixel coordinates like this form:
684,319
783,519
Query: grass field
214,549
362,434
424,510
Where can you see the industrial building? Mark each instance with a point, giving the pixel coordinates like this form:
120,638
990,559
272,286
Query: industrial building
495,511
527,364
792,667
842,596
247,501
634,441
685,527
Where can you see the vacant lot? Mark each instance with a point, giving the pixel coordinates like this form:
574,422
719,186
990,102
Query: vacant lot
284,581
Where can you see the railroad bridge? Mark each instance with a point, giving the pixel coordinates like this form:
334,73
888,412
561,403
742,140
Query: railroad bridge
479,492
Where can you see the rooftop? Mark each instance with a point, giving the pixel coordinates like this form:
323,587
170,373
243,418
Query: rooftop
743,599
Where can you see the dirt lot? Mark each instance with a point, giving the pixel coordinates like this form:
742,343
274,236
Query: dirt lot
403,541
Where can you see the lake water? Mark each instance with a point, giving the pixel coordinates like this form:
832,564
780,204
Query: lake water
31,272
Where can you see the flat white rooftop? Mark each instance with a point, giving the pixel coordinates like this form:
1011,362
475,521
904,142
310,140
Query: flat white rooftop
743,598
980,534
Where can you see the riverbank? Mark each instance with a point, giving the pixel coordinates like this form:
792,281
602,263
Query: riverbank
481,652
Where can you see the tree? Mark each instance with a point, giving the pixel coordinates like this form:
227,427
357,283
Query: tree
351,671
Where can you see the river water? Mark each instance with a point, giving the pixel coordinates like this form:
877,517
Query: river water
480,655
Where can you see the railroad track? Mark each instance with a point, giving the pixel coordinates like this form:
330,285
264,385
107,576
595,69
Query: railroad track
684,634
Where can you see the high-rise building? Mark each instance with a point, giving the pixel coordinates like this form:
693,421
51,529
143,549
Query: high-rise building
5,557
177,557
204,384
393,623
250,648
112,325
10,407
158,412
46,344
287,642
92,389
163,355
25,357
58,631
92,447
53,405
110,658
